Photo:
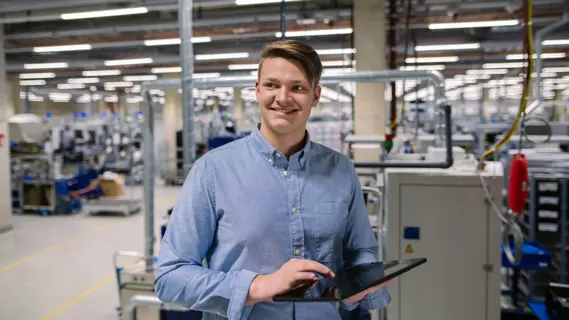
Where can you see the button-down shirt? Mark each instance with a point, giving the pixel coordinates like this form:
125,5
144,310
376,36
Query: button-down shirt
245,209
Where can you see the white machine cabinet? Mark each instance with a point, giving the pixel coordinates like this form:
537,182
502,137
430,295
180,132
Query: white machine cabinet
442,215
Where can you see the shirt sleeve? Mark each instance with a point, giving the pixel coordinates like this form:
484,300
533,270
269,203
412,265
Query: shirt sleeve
361,244
180,277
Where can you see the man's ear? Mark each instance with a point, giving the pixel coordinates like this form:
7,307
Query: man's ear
317,93
257,88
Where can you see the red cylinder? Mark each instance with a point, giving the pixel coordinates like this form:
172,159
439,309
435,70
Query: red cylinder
518,189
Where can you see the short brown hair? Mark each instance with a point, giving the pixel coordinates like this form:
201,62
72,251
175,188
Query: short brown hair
303,55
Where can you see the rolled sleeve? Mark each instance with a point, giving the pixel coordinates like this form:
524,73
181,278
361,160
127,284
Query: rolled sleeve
237,309
376,300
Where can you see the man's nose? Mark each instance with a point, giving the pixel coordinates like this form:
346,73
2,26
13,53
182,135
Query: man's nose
283,96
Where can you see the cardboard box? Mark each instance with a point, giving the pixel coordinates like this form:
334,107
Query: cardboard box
112,187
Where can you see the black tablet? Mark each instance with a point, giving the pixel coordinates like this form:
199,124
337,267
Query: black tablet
350,281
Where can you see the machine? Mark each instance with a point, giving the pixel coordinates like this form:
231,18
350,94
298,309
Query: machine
443,214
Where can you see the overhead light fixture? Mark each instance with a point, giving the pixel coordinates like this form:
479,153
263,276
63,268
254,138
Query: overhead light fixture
504,65
104,13
338,63
431,59
72,47
206,75
449,47
221,56
559,55
52,65
486,71
558,42
556,69
65,86
474,24
101,73
167,70
311,33
128,62
174,41
140,78
111,99
83,80
118,84
437,67
45,75
248,66
335,51
256,2
32,82
135,99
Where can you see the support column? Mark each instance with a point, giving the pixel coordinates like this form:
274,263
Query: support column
172,122
238,109
15,99
369,38
6,108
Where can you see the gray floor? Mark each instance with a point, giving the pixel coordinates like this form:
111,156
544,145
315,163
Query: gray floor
60,267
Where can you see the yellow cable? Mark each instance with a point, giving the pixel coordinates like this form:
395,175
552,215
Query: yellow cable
525,95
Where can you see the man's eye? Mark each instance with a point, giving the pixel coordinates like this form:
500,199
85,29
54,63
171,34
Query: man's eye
270,85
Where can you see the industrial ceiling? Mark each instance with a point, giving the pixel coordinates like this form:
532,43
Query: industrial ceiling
61,42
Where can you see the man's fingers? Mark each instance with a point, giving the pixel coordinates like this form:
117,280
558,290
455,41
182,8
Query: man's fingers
305,276
309,265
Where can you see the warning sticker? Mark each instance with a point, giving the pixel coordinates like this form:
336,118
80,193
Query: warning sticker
409,249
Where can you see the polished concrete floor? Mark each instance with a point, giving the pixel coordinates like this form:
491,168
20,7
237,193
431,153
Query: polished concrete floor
60,267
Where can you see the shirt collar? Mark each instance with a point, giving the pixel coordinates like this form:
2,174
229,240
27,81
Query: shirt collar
271,154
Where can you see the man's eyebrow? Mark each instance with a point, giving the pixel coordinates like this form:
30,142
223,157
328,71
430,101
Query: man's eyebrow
293,81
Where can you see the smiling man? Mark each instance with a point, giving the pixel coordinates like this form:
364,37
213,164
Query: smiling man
270,212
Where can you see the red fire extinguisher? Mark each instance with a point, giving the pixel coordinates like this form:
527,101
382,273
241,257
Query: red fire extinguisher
518,189
1,140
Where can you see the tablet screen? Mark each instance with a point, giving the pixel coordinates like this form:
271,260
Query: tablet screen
351,281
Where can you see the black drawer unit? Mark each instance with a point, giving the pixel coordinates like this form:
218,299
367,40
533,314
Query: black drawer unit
545,221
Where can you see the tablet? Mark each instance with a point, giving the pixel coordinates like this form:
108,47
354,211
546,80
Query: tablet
350,281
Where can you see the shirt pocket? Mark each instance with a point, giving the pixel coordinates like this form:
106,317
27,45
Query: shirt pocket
330,224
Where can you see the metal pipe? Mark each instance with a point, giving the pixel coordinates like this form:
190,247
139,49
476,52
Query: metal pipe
393,64
444,165
188,111
539,37
148,301
149,172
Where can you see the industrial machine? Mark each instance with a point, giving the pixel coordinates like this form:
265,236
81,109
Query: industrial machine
443,214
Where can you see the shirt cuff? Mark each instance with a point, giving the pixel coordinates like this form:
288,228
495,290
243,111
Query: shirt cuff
237,309
376,300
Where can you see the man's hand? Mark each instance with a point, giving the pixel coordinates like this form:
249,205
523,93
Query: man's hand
359,296
293,274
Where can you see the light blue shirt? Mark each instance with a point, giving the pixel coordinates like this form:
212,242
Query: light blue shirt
247,210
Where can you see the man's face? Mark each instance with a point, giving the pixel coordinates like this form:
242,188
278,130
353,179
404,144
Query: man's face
285,96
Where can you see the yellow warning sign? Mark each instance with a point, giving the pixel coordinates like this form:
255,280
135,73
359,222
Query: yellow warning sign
409,249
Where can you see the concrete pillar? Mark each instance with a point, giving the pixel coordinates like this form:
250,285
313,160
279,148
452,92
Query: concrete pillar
6,108
369,38
16,100
238,109
172,121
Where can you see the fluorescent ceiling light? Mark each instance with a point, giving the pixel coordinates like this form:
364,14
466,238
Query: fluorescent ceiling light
310,33
167,70
338,63
556,69
559,55
449,47
174,41
474,24
72,47
101,73
64,86
111,99
127,62
437,67
335,71
255,2
559,42
118,84
83,80
431,59
45,75
206,75
221,56
486,71
104,13
140,78
53,65
32,82
335,51
136,99
502,65
249,66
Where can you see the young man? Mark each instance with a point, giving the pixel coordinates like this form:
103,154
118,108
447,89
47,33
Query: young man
269,212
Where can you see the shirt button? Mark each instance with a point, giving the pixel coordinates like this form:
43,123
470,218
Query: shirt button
297,252
293,210
285,173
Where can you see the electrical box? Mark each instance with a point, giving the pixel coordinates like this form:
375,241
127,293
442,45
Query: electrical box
443,215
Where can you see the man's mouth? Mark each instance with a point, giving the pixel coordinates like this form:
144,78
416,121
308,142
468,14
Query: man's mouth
284,111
